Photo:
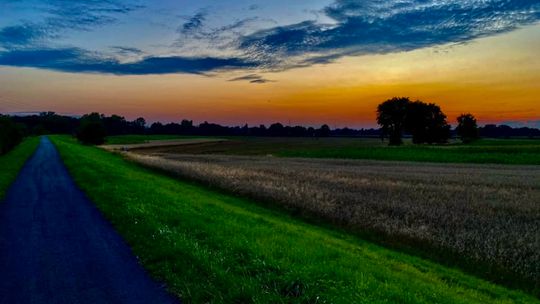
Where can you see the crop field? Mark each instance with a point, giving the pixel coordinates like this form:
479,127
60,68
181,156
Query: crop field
497,151
138,139
212,247
483,217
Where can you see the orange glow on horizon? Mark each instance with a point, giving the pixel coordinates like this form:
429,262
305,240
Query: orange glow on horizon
497,79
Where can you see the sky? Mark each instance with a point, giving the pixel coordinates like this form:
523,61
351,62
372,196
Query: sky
258,62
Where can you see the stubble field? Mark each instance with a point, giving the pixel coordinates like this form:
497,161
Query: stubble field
483,217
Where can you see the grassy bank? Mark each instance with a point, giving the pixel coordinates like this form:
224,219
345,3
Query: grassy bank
12,162
211,247
496,151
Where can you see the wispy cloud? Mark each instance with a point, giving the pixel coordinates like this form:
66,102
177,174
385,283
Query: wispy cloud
76,60
193,24
351,27
252,78
64,16
376,27
21,35
123,50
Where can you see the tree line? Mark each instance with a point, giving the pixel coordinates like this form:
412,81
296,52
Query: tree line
398,117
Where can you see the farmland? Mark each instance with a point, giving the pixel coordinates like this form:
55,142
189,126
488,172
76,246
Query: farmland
138,139
212,247
498,151
483,217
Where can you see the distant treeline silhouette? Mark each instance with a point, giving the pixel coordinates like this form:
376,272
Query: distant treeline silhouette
52,123
11,134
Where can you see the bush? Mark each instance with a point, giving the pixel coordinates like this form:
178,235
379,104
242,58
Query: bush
91,130
11,134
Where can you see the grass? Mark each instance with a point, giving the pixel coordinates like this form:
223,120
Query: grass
138,139
12,162
485,218
503,151
210,247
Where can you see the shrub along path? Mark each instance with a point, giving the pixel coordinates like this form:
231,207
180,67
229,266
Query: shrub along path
55,247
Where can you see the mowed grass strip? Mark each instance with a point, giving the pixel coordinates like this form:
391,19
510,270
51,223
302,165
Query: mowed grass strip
209,247
12,162
495,151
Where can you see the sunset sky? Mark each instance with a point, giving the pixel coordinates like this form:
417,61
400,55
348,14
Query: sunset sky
297,62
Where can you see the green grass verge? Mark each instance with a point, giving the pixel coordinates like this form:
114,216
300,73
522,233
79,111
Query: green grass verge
497,151
210,247
512,155
12,162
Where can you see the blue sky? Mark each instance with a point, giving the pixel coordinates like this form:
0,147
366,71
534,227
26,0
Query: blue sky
160,37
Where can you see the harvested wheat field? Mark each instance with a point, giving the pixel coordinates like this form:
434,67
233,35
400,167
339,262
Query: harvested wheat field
488,215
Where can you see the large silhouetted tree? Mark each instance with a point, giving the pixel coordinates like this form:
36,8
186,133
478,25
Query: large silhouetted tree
425,122
92,129
391,116
467,128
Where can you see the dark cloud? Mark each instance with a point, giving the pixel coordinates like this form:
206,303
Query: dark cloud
76,60
20,35
376,27
357,27
194,23
260,81
252,78
63,15
86,14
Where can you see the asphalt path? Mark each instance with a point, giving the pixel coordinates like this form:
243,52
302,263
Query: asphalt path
56,247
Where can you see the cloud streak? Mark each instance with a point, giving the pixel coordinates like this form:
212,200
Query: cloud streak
352,27
193,24
63,16
378,27
76,60
252,78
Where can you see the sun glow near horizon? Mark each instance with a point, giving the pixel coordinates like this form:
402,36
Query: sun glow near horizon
496,78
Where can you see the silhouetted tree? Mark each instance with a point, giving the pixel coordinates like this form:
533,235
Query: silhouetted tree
11,134
186,127
92,130
276,129
47,123
426,123
323,131
138,126
115,125
467,128
391,116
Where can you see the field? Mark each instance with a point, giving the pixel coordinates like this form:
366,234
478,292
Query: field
497,151
488,216
211,247
138,139
12,162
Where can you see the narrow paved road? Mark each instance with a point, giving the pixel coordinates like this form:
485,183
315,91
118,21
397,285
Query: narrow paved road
56,247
